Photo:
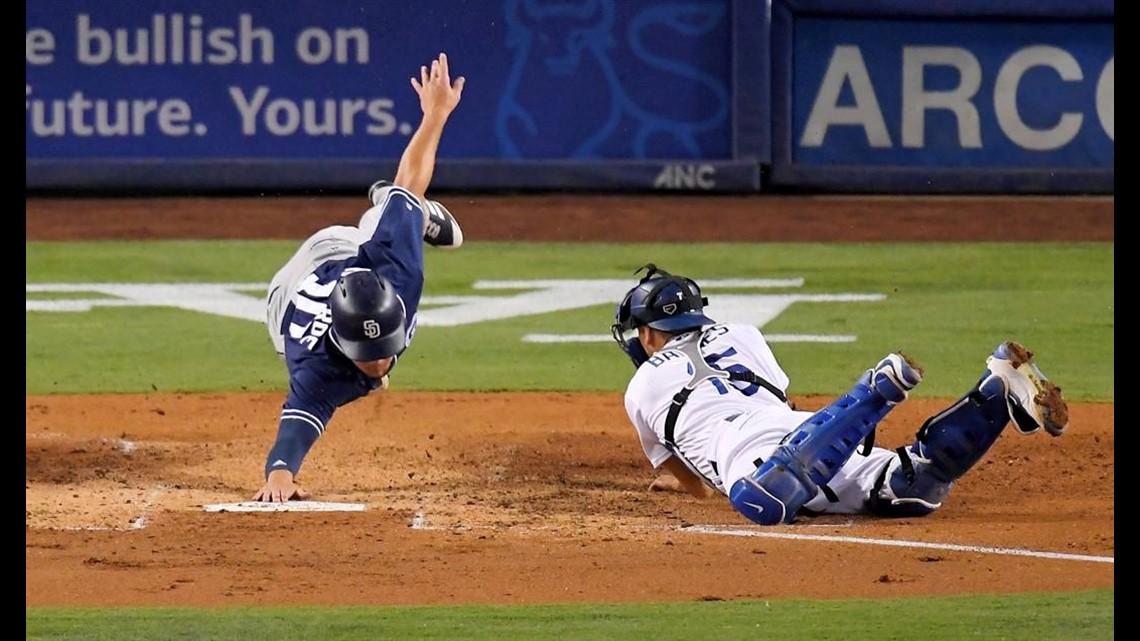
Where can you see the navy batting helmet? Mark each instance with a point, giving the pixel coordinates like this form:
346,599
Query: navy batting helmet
367,316
662,301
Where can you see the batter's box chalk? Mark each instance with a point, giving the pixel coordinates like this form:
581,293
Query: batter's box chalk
291,506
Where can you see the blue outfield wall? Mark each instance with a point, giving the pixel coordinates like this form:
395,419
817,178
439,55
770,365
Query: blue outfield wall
620,95
597,94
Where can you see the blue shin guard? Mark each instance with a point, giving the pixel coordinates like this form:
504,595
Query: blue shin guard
947,446
812,454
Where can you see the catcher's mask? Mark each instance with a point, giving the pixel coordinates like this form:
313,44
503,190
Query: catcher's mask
367,316
662,301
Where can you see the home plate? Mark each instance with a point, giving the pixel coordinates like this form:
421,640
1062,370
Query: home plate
290,506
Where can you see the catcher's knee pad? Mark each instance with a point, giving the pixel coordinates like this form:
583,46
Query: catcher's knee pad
812,454
946,447
774,492
906,488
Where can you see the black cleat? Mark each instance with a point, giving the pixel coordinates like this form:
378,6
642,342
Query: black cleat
440,227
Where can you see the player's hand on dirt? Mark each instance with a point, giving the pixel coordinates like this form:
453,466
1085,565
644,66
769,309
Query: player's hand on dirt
280,487
438,94
666,483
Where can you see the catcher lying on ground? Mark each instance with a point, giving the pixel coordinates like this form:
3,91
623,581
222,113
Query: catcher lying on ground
709,404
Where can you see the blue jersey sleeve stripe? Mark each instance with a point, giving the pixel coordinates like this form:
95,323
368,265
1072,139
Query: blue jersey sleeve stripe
305,417
397,190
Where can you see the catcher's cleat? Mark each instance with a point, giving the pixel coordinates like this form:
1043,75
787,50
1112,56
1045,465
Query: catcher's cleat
440,227
894,376
1034,401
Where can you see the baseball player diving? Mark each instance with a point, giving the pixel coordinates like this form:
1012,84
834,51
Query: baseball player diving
708,401
342,311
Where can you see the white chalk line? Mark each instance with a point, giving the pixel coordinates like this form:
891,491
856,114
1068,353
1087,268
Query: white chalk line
420,522
139,522
142,519
979,549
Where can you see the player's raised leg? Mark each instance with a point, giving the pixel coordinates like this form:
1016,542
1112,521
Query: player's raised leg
948,444
441,229
812,454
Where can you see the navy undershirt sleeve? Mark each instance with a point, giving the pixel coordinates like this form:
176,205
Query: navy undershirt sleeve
295,437
316,389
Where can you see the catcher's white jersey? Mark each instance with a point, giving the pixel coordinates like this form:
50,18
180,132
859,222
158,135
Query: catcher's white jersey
727,427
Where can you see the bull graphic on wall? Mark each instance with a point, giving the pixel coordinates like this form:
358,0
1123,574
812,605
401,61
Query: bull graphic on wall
567,97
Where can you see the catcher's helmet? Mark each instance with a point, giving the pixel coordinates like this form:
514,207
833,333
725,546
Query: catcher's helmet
662,301
367,316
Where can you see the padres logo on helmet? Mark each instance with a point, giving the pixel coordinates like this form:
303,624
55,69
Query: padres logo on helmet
371,328
367,316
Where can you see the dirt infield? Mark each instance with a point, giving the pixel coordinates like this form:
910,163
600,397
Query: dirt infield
528,497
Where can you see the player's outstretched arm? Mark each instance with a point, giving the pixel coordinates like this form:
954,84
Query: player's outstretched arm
438,98
295,437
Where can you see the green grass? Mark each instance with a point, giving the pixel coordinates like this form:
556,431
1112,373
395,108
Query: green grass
1029,617
947,305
